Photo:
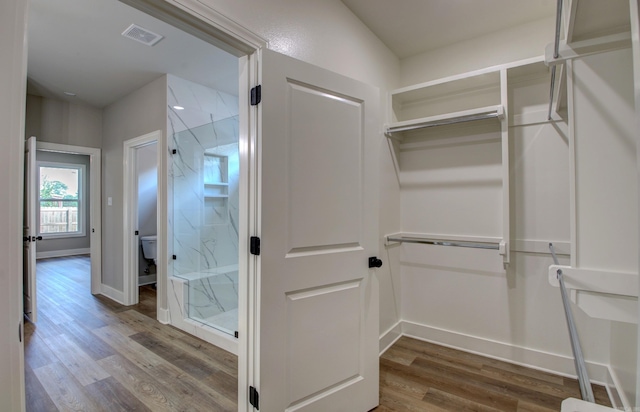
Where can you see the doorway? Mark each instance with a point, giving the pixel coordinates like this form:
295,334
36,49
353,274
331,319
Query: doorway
92,224
142,214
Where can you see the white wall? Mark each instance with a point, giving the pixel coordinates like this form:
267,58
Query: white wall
517,43
147,172
142,111
55,121
607,185
13,20
463,297
321,32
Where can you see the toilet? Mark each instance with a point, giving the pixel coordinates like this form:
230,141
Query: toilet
149,248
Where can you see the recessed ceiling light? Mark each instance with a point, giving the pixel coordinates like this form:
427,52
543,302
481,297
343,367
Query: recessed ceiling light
178,107
70,94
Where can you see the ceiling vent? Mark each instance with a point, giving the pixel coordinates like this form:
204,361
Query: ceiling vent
142,35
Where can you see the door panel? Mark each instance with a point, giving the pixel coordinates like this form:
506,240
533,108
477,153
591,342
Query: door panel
318,300
30,231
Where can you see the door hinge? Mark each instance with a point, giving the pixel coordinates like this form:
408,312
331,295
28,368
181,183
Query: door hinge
254,398
256,95
254,246
136,233
174,151
236,334
174,257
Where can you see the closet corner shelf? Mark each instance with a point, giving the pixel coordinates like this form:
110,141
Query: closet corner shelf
482,113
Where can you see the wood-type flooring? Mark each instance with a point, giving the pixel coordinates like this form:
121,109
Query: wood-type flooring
88,353
420,376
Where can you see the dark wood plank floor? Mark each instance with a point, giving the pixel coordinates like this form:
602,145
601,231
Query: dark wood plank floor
420,376
89,353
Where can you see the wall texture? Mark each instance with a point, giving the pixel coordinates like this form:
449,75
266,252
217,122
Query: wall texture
517,43
60,122
142,111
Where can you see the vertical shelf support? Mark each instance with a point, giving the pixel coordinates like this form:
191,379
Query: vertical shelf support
506,215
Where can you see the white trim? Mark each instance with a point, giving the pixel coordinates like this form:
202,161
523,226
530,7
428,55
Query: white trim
614,384
130,215
82,201
388,338
13,66
544,361
164,316
218,29
61,253
519,355
112,293
95,205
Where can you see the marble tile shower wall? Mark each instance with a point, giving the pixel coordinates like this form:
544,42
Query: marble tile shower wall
204,229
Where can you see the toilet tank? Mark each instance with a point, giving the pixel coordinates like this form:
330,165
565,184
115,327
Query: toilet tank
149,246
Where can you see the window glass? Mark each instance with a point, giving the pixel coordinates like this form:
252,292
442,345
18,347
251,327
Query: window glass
60,200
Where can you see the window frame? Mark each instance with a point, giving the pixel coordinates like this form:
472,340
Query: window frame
82,227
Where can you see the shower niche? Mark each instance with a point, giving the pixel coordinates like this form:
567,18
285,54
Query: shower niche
216,189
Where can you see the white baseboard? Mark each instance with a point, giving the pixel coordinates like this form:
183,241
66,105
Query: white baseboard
111,293
531,358
388,338
164,316
61,253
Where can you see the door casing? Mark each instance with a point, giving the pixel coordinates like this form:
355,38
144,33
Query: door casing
95,216
130,216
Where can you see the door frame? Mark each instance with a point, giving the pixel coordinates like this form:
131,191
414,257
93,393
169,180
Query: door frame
200,20
94,228
130,240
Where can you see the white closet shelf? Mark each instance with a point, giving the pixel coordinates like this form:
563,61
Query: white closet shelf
481,113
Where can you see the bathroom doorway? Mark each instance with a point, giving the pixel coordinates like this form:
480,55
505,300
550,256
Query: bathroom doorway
141,211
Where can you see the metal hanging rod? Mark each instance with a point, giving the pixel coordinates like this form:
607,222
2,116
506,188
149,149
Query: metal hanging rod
556,46
581,368
441,242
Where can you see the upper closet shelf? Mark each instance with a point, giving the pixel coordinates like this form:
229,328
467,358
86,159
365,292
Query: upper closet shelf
482,113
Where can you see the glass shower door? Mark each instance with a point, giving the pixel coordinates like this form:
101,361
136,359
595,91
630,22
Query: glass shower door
205,208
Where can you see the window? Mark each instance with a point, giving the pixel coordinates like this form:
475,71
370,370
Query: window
60,200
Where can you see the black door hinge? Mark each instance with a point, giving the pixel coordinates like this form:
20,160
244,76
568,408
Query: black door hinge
254,398
256,95
136,233
174,257
174,151
236,334
254,246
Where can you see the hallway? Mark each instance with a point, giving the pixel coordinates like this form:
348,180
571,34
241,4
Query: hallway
90,353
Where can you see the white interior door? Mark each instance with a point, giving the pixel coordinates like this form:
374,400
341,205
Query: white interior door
30,233
317,325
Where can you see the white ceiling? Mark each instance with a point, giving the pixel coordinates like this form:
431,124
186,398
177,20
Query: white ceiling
410,27
76,45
